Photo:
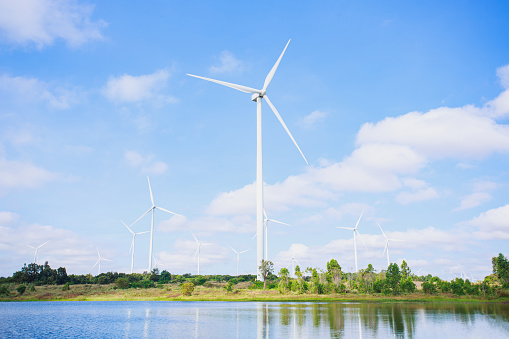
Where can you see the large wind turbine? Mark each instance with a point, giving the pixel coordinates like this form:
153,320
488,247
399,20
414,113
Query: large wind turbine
152,209
355,240
258,95
386,244
132,244
99,262
37,250
238,255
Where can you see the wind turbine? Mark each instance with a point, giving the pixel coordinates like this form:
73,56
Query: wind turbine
386,244
131,250
265,226
294,260
152,209
355,240
257,96
37,250
238,255
197,251
99,262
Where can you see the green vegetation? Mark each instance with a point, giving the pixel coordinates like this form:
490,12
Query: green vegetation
395,283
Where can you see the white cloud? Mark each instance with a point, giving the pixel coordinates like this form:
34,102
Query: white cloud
15,174
313,118
147,164
23,90
493,224
228,64
473,200
8,218
503,74
444,132
41,22
406,198
129,89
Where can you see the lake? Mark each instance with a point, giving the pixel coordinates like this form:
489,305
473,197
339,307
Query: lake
163,319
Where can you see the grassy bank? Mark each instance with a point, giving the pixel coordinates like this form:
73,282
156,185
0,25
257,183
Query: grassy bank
171,292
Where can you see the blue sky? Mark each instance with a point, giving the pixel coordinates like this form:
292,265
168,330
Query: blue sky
401,109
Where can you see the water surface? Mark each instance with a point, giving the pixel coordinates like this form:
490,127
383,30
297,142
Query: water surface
161,319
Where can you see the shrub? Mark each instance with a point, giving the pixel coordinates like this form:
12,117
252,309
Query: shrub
21,289
187,288
122,283
4,290
407,285
31,287
429,287
65,287
228,287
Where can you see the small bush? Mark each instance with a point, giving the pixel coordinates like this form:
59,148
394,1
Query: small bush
4,290
21,289
228,287
122,283
429,287
31,287
187,288
65,287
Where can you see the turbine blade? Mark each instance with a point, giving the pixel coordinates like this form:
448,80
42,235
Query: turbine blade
244,251
232,249
144,214
107,260
357,224
127,227
284,126
165,210
44,244
347,228
194,237
132,244
32,247
98,252
269,77
95,263
195,253
241,88
254,236
296,261
361,239
142,232
385,248
265,214
150,188
381,230
279,222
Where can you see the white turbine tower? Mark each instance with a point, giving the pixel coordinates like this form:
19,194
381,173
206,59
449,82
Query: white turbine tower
386,244
258,95
238,257
131,250
37,250
99,261
152,209
355,240
197,251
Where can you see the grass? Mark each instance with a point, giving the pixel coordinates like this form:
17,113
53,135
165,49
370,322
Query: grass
170,292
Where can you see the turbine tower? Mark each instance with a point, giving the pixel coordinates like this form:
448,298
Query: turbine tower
152,209
238,255
386,244
37,250
355,240
99,262
131,250
257,96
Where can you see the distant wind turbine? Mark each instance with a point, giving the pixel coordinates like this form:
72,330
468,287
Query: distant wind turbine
386,244
37,250
258,95
99,262
131,250
355,240
265,225
152,209
197,251
238,257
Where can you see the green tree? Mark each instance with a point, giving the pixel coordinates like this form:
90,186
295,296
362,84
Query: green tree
405,270
393,278
283,285
501,269
65,287
165,276
266,268
187,288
